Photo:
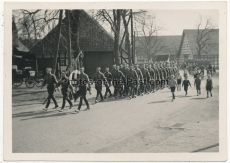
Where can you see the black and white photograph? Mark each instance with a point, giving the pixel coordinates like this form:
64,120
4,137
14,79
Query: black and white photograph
112,80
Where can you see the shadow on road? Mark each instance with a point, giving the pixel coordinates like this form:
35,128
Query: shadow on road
27,104
202,98
158,102
183,96
27,114
46,114
24,93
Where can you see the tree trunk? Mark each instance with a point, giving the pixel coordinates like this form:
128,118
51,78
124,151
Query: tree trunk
76,46
117,16
58,40
127,41
69,56
116,49
132,40
199,52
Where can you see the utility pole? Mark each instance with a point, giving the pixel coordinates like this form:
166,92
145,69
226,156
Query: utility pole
134,47
58,41
69,56
131,14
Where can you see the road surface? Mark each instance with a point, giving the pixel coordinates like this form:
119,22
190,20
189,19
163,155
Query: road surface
152,123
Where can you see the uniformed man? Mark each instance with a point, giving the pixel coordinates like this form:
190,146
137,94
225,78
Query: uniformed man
161,74
50,80
112,72
164,73
146,76
113,69
140,77
132,81
148,86
108,77
168,71
125,72
65,83
83,81
155,76
99,79
118,82
152,77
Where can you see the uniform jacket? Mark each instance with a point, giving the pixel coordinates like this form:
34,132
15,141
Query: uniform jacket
151,73
132,74
108,76
139,73
50,79
145,73
99,76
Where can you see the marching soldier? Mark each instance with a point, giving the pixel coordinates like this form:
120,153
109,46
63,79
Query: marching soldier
156,72
83,82
108,76
112,72
160,74
125,72
164,73
140,77
50,80
152,76
132,81
99,78
65,83
118,80
146,76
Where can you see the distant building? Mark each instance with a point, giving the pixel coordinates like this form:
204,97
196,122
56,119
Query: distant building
188,47
95,42
20,53
163,48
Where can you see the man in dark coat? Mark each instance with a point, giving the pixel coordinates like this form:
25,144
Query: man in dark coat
118,80
83,81
50,80
146,76
140,77
132,81
108,77
65,83
99,79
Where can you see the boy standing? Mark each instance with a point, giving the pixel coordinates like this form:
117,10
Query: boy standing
186,83
197,84
172,84
209,85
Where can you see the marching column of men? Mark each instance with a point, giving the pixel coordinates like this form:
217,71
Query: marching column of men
127,81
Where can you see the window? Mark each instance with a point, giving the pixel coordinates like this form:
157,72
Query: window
62,62
185,56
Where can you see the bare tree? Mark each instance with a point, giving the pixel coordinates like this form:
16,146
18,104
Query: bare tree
127,40
203,37
148,41
34,24
113,17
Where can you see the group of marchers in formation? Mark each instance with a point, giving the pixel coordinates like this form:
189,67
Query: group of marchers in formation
128,81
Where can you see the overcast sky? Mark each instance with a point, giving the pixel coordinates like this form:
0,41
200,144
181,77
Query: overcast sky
175,21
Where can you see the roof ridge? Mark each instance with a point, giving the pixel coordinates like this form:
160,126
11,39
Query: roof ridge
99,25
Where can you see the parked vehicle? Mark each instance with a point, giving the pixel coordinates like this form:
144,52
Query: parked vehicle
27,75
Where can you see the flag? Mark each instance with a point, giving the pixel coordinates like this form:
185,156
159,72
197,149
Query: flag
168,58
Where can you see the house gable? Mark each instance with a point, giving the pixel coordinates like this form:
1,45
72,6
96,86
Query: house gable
92,37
